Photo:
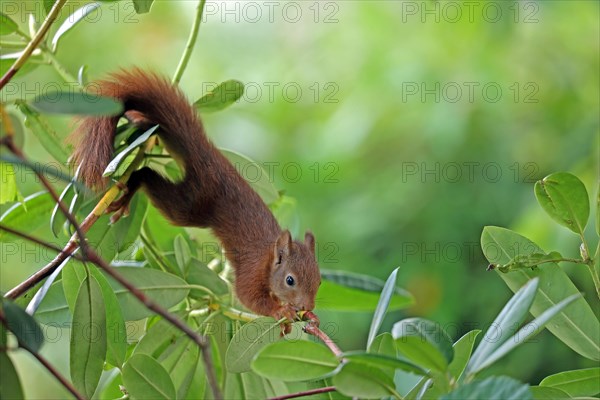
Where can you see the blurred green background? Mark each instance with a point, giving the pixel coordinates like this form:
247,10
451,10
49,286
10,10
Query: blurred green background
401,128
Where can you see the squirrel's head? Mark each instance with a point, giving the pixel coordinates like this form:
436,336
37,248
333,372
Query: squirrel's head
295,276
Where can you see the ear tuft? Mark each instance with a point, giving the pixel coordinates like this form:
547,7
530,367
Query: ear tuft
309,240
282,246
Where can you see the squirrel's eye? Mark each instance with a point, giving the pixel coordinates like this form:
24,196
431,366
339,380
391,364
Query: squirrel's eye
289,280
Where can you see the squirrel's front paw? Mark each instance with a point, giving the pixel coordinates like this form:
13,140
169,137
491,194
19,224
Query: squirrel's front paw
120,207
287,311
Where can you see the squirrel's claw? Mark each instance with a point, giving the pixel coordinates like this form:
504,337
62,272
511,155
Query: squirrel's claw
120,207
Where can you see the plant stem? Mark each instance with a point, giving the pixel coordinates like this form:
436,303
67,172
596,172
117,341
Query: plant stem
185,58
62,71
34,43
325,389
238,314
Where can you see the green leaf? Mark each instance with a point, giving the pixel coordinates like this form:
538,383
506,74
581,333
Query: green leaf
462,352
246,385
248,341
126,231
548,393
10,385
88,338
495,388
7,25
382,305
294,361
526,332
221,97
382,361
254,174
577,326
58,218
423,342
362,282
73,274
183,253
564,198
8,183
116,332
76,103
336,298
23,326
285,210
383,344
54,309
44,133
359,380
48,5
119,158
576,383
142,6
512,314
145,378
32,213
598,209
71,21
157,338
180,361
200,275
38,168
161,287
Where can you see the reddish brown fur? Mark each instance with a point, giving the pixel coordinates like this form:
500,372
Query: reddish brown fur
212,193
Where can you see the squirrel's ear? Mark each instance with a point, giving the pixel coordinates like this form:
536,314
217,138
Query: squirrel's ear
309,240
282,246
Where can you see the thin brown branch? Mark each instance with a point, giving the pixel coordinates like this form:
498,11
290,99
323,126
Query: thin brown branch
314,330
38,241
63,381
199,339
325,389
34,43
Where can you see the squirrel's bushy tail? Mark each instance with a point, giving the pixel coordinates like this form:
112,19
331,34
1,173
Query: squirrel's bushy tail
156,101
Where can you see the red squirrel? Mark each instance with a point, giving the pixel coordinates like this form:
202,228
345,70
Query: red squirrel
274,275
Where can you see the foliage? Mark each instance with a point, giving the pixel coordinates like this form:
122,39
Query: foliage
180,269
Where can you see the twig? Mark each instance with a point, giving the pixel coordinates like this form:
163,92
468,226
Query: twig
38,241
325,389
314,330
85,226
34,43
189,47
46,364
200,340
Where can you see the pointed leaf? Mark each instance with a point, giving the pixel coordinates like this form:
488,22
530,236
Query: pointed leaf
200,275
145,378
462,353
525,333
23,326
71,21
382,305
88,338
564,197
577,326
423,342
512,314
78,103
119,158
58,218
548,393
576,383
294,361
221,97
183,253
